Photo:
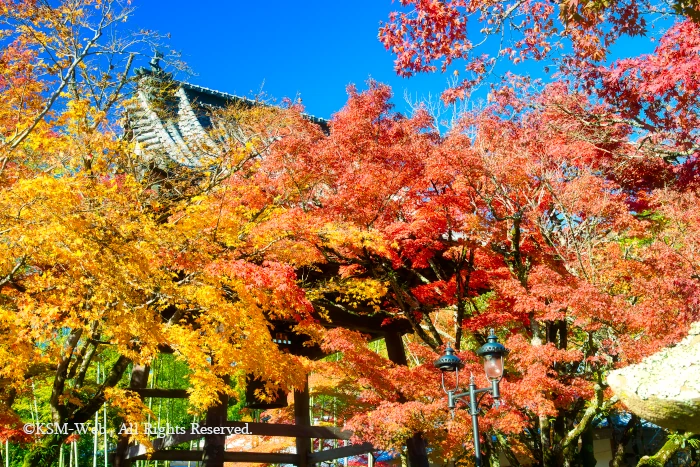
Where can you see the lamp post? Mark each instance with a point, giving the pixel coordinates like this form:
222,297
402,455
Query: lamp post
492,352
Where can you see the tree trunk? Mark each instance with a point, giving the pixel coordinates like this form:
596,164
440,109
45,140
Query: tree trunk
490,453
46,453
504,447
587,453
417,452
548,459
619,448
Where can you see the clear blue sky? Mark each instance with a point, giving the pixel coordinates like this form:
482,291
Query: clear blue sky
313,48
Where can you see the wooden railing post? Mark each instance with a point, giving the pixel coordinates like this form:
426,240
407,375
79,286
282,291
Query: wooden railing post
215,445
139,380
302,417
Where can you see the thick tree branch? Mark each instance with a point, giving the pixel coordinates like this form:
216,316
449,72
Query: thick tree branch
11,275
59,382
462,296
672,445
596,405
87,411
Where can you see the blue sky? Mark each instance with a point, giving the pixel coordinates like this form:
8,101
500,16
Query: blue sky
312,48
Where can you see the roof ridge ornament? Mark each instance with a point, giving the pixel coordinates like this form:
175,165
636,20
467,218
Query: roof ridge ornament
155,69
155,61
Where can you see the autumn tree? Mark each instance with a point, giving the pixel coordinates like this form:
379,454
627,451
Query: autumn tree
524,218
654,95
108,257
555,215
429,35
625,131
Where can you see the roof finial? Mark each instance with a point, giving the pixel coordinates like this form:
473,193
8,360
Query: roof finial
155,61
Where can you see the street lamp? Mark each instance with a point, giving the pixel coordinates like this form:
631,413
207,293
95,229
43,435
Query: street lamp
492,352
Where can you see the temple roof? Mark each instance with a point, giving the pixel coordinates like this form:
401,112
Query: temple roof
221,98
172,125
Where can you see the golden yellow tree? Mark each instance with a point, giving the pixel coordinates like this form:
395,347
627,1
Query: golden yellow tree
106,258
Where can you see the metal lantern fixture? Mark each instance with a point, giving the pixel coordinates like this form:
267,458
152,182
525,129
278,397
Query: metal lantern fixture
449,362
493,354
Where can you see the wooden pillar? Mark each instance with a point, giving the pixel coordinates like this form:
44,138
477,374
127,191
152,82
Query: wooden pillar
415,445
417,452
215,445
139,380
394,348
302,418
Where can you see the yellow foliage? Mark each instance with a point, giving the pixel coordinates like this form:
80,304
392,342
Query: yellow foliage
353,291
104,254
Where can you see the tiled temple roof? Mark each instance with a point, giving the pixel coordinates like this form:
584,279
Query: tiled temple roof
234,97
181,136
